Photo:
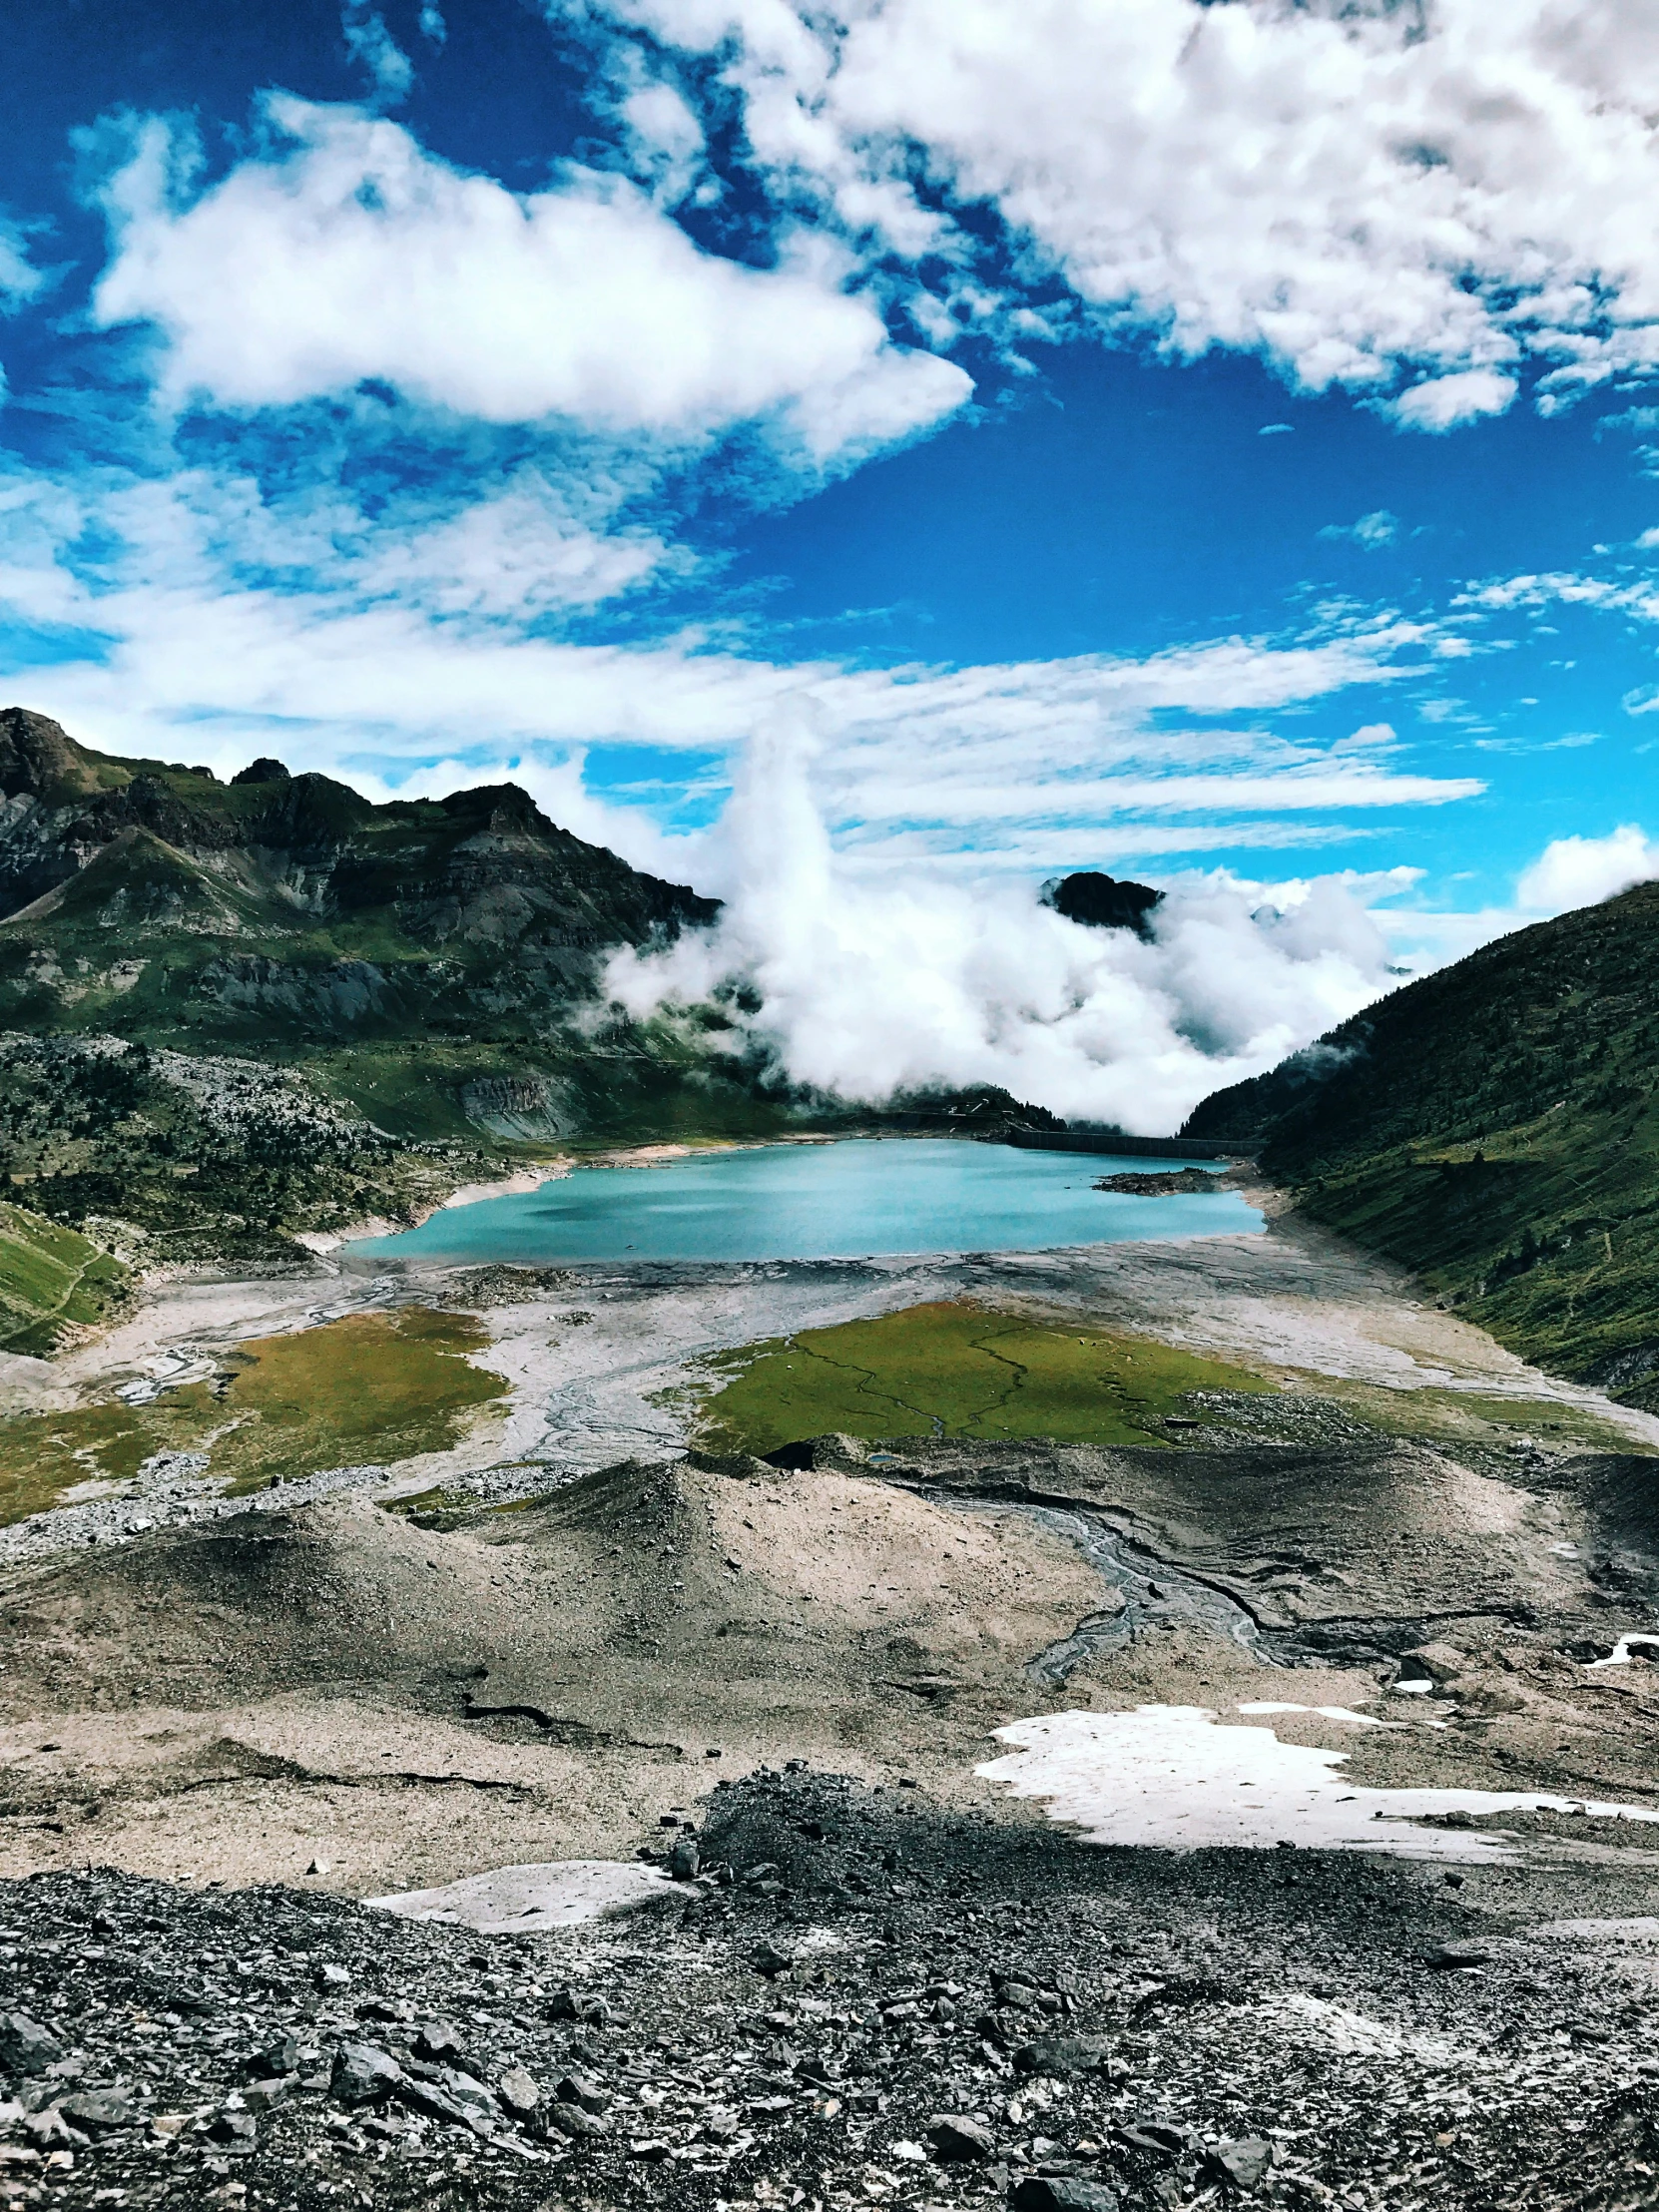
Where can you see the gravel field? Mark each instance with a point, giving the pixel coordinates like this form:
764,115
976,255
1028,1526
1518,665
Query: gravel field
858,2001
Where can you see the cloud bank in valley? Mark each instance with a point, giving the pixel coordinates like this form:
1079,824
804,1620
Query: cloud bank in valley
875,984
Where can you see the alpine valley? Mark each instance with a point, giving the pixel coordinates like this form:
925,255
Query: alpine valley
233,1012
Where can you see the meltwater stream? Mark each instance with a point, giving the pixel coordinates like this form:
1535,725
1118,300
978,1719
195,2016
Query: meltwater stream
1150,1594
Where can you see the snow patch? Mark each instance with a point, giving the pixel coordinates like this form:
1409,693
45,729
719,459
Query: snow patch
1331,1713
523,1900
1171,1776
1624,1650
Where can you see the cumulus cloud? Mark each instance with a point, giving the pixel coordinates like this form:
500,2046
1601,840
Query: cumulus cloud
1443,402
1364,195
1580,872
347,254
664,139
868,986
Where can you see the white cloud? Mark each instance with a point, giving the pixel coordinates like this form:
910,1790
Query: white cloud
871,985
347,254
665,139
304,625
1580,872
1562,588
1371,532
516,552
1354,192
371,46
1446,402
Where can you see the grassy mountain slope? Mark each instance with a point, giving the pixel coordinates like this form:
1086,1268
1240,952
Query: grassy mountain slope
1496,1127
52,1282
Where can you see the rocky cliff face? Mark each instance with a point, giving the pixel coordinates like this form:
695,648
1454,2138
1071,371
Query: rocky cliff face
433,963
91,847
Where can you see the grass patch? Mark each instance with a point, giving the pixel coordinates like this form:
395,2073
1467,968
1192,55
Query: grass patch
371,1388
951,1370
50,1278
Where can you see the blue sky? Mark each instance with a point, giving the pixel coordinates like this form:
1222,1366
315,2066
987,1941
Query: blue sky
1214,444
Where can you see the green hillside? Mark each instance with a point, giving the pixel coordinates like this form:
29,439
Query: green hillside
1496,1127
52,1281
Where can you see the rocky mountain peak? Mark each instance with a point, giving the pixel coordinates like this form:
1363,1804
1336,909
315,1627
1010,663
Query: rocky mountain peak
1103,902
38,759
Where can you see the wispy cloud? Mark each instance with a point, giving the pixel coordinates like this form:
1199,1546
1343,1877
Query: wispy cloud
20,279
389,71
1371,532
304,626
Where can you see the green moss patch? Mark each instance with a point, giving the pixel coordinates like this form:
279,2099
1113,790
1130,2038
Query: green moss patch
373,1389
951,1370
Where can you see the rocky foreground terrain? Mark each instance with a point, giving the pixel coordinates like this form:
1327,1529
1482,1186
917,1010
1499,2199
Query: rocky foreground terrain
864,1970
872,1979
857,2001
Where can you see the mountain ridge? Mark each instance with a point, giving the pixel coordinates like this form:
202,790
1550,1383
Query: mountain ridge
290,916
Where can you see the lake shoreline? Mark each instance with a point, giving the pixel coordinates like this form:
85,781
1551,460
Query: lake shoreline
842,1198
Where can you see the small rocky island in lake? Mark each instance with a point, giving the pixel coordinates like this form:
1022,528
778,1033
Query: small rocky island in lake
1172,1183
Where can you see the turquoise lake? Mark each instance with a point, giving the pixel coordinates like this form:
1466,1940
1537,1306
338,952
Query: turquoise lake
849,1200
